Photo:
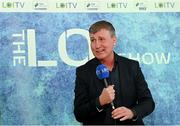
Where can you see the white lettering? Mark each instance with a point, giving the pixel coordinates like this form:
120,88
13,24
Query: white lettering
162,58
149,58
31,40
62,47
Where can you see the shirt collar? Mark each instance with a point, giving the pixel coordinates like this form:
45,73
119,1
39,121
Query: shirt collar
115,59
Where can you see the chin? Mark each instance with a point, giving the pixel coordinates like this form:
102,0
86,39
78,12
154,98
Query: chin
100,57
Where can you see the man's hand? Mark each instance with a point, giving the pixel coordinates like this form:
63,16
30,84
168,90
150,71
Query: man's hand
107,95
122,113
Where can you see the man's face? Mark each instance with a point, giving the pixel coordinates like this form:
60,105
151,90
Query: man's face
102,43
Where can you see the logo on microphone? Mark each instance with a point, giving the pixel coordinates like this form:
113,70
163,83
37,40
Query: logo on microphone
102,71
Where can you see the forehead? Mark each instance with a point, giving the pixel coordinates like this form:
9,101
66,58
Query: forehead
100,33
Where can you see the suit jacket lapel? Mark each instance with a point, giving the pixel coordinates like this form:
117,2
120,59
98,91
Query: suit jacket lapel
122,74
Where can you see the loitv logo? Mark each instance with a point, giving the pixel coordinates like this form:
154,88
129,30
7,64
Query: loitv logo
24,51
13,5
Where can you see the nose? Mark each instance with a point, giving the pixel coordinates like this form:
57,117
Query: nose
97,44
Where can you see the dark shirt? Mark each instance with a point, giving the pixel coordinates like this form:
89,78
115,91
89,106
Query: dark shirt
114,80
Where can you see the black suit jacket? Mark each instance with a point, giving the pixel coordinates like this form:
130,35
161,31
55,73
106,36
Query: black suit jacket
134,94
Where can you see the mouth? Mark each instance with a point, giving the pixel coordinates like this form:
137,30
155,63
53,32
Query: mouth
100,51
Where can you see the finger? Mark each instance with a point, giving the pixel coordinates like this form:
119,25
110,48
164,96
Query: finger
111,97
118,110
112,86
115,111
118,116
124,118
110,89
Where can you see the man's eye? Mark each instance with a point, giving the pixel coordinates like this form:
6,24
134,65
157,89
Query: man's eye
92,40
101,39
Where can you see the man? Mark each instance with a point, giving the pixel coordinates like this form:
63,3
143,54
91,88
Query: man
127,89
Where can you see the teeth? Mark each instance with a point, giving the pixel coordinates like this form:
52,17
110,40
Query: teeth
99,51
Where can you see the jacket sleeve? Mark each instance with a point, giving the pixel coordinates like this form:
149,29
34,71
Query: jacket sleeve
84,106
145,103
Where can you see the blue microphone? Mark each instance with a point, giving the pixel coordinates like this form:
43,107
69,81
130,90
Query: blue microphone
102,72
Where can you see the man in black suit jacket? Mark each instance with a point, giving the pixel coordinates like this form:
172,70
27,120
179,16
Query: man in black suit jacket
127,88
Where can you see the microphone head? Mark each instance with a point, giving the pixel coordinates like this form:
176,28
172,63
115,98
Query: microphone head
102,71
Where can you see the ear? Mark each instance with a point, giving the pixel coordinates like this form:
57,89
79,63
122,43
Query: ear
114,40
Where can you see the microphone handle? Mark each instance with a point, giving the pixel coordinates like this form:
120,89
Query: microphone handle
106,84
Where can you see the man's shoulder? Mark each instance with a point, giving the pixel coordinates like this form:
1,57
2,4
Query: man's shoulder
128,64
127,60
